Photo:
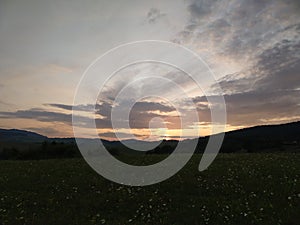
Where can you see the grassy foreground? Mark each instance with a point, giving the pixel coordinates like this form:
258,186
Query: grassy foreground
236,189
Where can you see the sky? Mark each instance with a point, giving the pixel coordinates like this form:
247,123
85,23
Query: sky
252,47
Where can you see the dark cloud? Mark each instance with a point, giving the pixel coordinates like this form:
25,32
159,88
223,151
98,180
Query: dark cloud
284,78
140,114
201,8
55,117
104,109
264,35
141,120
87,108
43,116
276,68
60,106
152,106
252,108
38,114
255,107
121,135
280,65
271,94
154,15
103,123
179,137
239,28
236,83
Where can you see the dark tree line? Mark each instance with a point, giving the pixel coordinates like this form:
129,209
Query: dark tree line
46,150
54,149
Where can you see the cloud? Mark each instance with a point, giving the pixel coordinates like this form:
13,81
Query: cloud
42,115
39,115
141,120
144,79
60,106
239,29
121,135
87,107
276,67
140,114
280,66
252,46
200,9
152,106
104,109
260,40
154,15
256,107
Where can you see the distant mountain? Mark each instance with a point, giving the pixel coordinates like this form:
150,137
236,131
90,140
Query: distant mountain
15,135
266,138
288,131
254,139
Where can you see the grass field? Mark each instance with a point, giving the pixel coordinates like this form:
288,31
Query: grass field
237,189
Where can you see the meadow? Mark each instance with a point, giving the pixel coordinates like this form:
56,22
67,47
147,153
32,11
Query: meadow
236,189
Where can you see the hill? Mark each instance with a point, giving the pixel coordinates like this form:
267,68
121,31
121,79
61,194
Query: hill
15,135
288,131
266,138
